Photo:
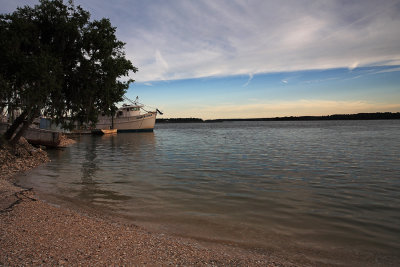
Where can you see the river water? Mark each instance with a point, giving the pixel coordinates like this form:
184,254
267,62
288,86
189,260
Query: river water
326,189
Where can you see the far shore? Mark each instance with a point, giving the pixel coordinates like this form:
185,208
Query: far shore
358,116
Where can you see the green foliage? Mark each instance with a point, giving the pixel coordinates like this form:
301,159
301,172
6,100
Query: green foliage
55,60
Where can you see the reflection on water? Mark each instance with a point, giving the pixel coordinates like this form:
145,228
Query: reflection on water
112,151
89,166
90,171
90,190
325,185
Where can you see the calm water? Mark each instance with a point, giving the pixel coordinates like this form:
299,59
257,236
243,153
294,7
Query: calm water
293,185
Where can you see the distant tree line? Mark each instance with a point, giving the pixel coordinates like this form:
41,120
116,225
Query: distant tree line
179,120
55,61
359,116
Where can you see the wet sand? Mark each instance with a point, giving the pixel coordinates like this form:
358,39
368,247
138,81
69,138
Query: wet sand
33,232
36,233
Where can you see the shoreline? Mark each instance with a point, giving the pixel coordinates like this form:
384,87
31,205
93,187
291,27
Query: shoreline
34,232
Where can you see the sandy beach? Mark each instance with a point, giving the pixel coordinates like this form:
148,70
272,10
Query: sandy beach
33,232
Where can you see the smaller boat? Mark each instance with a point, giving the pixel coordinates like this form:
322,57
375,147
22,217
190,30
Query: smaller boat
104,131
36,136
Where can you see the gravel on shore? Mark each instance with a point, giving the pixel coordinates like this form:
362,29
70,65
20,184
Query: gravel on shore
35,233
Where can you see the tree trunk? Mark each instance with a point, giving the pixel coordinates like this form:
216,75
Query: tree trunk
21,131
30,117
17,122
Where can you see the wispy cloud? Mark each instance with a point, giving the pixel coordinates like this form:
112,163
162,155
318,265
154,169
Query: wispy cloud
371,71
191,39
208,38
388,70
249,80
160,61
353,65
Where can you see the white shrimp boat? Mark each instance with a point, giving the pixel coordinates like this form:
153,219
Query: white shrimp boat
129,118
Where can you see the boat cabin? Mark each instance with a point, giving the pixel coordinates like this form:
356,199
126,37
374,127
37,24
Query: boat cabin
128,111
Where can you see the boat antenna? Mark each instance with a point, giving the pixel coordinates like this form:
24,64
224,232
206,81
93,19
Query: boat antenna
136,102
129,100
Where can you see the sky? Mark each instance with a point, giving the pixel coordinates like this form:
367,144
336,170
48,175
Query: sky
257,58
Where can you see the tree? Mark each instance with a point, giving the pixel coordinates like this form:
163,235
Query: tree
54,60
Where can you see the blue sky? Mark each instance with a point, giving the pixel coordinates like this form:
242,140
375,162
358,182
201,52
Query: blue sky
241,59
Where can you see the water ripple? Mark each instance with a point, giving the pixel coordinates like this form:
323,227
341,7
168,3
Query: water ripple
318,182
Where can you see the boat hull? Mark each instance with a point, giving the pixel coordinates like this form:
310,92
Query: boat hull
141,123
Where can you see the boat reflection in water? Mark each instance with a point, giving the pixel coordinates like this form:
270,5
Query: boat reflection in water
103,155
93,167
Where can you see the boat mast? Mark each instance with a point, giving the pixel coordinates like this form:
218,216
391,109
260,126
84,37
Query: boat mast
133,102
